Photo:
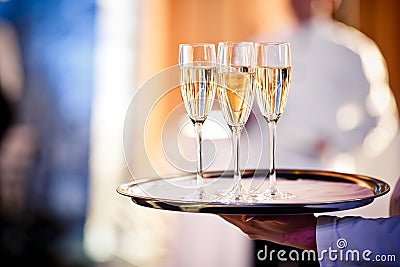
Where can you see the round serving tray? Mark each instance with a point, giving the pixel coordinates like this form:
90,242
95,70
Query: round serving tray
316,191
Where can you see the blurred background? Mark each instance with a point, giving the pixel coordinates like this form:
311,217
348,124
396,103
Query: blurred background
68,70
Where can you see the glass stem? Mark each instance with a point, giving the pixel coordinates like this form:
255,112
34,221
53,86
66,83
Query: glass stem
237,187
200,183
273,189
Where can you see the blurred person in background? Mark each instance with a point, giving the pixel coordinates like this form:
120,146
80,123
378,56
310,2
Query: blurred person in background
44,160
341,109
340,104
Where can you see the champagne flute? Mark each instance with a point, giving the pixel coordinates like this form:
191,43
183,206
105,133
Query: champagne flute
272,78
197,68
235,93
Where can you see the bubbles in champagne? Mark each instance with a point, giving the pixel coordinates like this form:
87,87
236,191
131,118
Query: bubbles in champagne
235,93
198,90
272,87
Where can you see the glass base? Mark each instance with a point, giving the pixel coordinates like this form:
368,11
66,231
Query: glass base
274,194
199,196
232,196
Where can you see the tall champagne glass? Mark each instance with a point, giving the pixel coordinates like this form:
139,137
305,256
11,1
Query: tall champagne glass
272,76
235,93
197,66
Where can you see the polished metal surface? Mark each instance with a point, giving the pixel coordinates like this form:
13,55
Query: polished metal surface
316,191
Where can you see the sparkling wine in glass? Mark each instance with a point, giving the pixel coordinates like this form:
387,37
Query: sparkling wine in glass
197,69
272,79
235,94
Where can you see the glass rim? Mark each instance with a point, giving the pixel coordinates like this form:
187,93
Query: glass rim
196,44
235,43
271,43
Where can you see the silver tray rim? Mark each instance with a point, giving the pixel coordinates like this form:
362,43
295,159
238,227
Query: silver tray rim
378,188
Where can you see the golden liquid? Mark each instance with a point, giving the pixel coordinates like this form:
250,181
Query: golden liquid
198,90
235,94
272,87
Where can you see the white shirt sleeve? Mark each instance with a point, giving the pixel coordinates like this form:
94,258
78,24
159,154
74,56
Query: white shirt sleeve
356,241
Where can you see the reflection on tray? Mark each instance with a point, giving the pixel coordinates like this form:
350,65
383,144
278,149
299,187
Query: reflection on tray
316,191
